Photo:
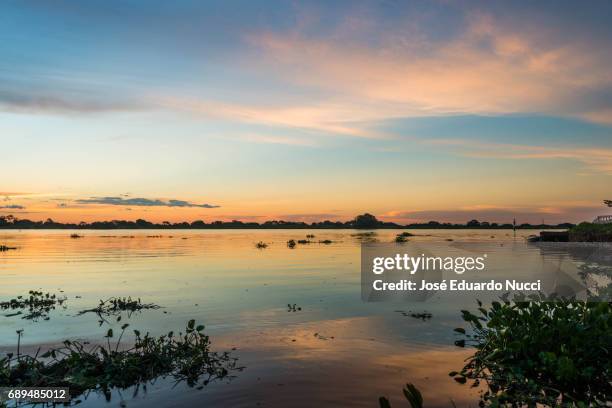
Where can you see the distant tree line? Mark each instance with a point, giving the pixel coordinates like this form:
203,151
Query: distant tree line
364,221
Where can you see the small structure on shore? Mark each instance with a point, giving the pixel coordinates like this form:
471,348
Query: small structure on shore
604,219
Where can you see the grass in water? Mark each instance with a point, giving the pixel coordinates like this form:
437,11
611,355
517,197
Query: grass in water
186,358
34,306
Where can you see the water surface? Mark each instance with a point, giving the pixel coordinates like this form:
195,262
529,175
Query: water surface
336,351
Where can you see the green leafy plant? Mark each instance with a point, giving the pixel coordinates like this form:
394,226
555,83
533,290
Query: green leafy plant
589,232
400,238
115,306
412,394
33,306
555,353
186,358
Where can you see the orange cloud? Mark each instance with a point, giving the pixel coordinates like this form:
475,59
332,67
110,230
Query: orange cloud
325,117
516,72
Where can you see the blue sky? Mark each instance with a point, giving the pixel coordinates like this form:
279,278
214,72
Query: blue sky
305,110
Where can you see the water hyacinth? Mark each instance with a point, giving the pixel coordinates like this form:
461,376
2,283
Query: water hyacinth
185,357
555,353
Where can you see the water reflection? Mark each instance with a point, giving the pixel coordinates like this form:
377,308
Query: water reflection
336,350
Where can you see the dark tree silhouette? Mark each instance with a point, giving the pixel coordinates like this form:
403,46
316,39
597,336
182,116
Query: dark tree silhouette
363,221
473,223
608,203
366,221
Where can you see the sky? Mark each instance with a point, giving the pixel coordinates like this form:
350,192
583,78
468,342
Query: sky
410,110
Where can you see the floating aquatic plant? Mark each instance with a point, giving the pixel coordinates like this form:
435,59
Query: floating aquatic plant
33,306
261,245
114,306
4,248
421,316
185,357
293,308
366,237
291,243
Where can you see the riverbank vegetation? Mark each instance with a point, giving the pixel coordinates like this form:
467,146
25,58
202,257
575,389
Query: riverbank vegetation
363,221
553,353
589,232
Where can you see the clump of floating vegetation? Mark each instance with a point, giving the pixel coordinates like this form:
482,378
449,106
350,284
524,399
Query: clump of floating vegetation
4,248
403,237
293,308
261,245
292,242
364,234
75,236
114,306
366,237
421,316
537,352
186,358
38,305
310,236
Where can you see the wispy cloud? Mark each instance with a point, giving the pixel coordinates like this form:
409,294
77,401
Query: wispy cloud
330,118
596,159
282,140
141,202
69,103
12,207
488,68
